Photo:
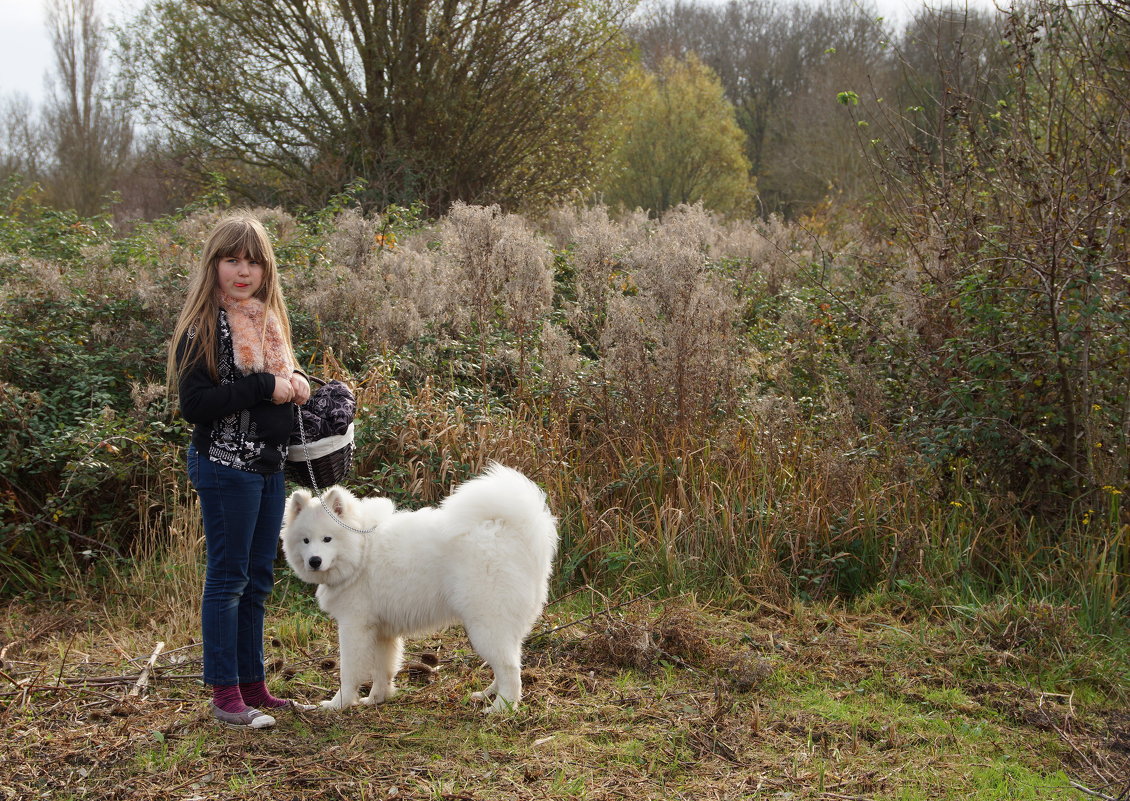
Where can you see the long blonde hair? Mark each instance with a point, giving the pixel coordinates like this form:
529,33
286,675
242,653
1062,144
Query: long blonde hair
238,235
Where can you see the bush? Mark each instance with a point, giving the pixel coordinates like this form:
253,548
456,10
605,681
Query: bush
1013,265
708,403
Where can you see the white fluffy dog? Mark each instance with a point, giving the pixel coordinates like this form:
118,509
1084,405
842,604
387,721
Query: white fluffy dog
481,558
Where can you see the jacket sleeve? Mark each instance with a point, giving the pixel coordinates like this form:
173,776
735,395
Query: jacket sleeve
202,400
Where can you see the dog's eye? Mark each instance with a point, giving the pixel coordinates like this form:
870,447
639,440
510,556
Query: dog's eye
326,539
305,541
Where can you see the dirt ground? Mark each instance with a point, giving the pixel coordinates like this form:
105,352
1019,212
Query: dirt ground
641,700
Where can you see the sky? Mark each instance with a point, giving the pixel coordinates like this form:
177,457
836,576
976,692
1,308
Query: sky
25,51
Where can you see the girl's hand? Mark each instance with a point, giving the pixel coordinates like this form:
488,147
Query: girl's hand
283,392
301,388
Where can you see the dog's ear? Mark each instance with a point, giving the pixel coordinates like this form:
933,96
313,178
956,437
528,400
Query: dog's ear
299,500
338,499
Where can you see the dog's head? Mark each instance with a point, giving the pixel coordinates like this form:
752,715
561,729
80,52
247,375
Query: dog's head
317,547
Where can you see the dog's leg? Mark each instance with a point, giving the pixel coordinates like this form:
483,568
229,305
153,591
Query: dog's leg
505,659
386,662
353,645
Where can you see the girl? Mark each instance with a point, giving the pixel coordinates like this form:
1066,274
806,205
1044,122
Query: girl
233,367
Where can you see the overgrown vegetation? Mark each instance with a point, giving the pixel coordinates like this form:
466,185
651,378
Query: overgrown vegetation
699,411
1012,210
866,461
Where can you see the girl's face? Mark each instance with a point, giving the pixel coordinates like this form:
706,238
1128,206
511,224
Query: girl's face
239,276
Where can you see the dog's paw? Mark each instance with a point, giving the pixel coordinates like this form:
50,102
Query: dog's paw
336,704
500,704
375,697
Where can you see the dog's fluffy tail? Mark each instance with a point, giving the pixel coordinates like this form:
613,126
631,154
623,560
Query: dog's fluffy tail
502,493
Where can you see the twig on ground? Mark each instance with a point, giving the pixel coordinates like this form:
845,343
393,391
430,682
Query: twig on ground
1095,793
567,595
9,678
599,612
128,678
143,679
171,651
63,661
1067,739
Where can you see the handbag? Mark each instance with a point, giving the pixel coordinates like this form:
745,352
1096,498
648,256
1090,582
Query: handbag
321,446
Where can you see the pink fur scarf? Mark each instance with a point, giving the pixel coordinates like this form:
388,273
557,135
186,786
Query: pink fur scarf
257,349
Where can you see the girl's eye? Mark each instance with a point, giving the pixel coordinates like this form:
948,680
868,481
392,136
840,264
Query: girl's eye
305,541
327,539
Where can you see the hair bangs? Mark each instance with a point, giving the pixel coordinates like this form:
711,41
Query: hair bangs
239,238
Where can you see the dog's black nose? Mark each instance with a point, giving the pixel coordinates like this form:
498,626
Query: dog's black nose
315,562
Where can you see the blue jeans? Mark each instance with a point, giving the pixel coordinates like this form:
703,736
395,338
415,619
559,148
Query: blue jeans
242,514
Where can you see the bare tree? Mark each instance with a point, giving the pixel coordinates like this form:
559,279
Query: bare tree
90,131
21,139
950,59
486,101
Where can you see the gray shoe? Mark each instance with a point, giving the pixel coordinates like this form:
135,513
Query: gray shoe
249,718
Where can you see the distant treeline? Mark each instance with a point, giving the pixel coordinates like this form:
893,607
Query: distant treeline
513,102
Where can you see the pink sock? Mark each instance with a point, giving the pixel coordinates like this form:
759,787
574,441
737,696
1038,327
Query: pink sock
257,695
228,698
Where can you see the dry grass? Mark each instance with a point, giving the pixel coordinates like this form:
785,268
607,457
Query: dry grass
734,513
632,699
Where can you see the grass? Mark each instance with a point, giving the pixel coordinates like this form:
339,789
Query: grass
626,698
915,691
